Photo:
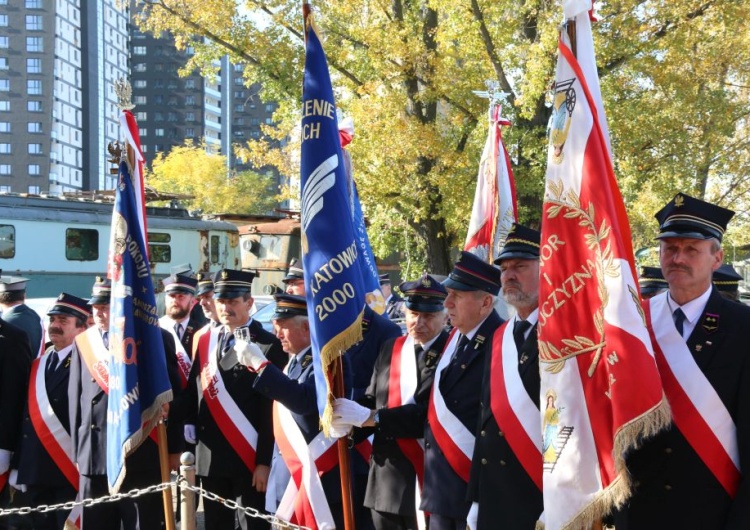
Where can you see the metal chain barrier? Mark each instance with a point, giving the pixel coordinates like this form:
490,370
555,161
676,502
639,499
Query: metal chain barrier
277,524
44,508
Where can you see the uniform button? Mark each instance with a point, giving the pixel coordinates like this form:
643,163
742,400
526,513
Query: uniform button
668,450
94,401
502,462
463,367
455,402
427,445
501,434
483,433
93,426
93,380
668,487
484,461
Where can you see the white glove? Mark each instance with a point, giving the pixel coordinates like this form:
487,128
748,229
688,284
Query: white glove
250,355
348,414
13,481
5,460
190,434
471,518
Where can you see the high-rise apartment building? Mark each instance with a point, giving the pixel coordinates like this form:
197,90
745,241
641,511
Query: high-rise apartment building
58,64
171,109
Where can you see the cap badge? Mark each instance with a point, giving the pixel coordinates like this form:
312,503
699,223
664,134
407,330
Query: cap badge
679,200
426,282
224,275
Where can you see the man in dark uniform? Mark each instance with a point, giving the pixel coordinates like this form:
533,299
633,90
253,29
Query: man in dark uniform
727,282
178,319
197,315
17,313
503,491
694,475
651,282
393,303
204,293
15,360
87,402
294,281
294,390
229,420
453,410
44,470
397,457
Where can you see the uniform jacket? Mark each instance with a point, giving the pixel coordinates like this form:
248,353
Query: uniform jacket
507,496
296,391
87,404
35,465
15,362
672,486
444,491
391,482
215,456
22,316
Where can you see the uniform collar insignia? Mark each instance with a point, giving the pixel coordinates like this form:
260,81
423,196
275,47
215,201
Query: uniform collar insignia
710,322
306,360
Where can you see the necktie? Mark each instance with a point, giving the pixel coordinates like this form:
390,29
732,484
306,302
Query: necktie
228,345
105,339
679,319
52,362
178,330
519,329
462,343
418,349
292,365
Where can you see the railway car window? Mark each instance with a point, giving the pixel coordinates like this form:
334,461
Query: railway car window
7,241
214,249
158,247
81,244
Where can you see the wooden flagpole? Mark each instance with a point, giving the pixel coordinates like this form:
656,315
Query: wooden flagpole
161,431
343,449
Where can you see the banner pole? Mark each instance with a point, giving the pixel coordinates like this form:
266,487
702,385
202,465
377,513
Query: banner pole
161,431
343,449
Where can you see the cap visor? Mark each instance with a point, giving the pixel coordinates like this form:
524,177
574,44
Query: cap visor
450,283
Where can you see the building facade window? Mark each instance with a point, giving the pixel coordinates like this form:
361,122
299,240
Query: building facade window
6,169
35,169
34,86
4,21
141,100
5,127
4,85
190,117
3,63
190,84
35,190
189,100
141,116
34,127
140,83
4,42
5,149
34,66
159,132
139,67
34,44
4,106
34,23
35,149
139,50
142,132
33,4
34,106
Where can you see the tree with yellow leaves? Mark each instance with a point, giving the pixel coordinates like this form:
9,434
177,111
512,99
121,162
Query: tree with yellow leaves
674,77
190,170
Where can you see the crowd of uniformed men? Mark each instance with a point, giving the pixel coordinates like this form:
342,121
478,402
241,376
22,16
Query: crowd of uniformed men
245,399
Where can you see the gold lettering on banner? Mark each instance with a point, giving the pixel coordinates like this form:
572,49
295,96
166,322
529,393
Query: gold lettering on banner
567,203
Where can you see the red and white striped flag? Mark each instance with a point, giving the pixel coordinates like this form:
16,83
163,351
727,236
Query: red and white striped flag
494,210
130,128
600,388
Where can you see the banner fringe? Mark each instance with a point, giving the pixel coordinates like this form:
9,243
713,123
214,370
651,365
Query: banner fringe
630,437
335,348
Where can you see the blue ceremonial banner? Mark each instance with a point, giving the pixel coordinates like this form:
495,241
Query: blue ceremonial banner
373,295
330,250
138,380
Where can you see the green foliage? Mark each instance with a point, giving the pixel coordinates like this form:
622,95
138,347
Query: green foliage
674,77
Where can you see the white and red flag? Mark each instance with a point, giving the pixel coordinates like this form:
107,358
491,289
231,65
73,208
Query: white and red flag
600,389
494,210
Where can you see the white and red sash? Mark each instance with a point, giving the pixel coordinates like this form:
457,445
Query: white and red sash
455,440
232,423
513,409
51,433
402,384
697,410
95,356
184,362
304,502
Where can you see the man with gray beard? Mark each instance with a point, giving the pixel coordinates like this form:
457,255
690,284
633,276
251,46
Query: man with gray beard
506,468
